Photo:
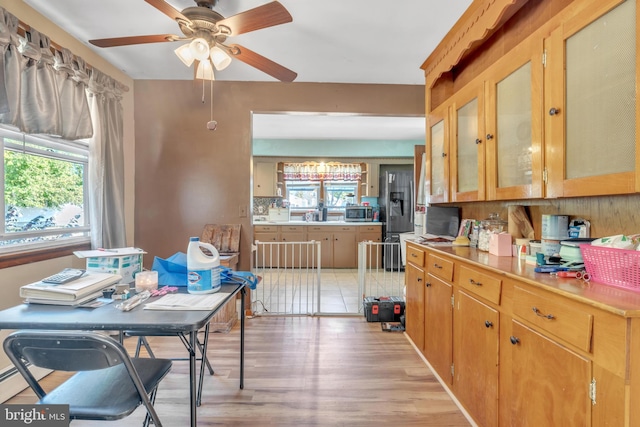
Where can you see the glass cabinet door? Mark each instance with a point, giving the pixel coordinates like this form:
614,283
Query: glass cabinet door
591,108
467,146
514,127
437,148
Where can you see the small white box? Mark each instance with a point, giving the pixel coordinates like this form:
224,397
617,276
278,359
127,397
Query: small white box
123,261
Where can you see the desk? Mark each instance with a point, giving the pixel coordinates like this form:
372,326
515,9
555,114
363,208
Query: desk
109,318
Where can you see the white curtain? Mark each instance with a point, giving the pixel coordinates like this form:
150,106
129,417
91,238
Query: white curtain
106,168
46,93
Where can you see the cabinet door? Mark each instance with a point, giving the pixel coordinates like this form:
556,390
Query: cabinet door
590,103
373,177
475,358
467,145
437,150
373,254
514,124
550,384
345,249
414,312
264,179
292,254
438,326
326,247
267,255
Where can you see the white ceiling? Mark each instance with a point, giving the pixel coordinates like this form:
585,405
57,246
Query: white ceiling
336,41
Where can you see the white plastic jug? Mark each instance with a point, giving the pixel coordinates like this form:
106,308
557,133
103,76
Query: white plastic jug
203,271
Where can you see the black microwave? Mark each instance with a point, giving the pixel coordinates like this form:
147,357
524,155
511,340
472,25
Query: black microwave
358,214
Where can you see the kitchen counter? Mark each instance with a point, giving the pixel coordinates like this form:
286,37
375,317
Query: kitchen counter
336,223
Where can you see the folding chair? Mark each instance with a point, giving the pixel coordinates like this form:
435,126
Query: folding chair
204,360
108,385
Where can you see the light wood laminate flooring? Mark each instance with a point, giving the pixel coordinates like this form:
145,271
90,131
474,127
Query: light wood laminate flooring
300,371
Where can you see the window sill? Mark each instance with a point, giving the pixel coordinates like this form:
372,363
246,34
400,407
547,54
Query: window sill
21,258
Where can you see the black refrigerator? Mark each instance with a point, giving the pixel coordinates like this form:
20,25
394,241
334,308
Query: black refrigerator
396,213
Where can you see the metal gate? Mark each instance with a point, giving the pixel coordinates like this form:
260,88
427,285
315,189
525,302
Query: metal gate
380,269
290,276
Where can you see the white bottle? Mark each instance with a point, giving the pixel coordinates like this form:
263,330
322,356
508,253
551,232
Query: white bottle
203,271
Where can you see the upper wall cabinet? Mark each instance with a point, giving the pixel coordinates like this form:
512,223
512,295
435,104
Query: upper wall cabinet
590,102
437,156
468,145
514,125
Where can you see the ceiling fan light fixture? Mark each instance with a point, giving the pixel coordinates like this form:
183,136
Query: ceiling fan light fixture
220,58
199,49
205,70
185,55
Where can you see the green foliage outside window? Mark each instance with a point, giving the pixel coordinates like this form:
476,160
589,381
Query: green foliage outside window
35,181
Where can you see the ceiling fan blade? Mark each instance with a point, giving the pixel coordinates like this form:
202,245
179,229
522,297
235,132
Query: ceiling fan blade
257,18
261,63
124,41
168,10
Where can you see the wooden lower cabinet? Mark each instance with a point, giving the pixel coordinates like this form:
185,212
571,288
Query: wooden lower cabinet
522,352
475,357
549,383
438,326
345,249
414,309
326,246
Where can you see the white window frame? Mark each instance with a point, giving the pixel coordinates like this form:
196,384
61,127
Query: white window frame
74,151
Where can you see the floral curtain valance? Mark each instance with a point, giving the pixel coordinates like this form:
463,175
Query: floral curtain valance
322,172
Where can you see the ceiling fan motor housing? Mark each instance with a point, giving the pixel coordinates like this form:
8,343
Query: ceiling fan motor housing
203,21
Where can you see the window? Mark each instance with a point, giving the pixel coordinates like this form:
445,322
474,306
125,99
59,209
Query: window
338,194
303,195
44,192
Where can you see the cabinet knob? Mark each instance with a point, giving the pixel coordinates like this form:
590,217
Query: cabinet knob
437,266
428,284
514,340
488,324
419,279
444,154
489,136
478,141
554,111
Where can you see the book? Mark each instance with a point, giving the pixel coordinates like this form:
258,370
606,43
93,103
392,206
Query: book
187,302
88,284
76,303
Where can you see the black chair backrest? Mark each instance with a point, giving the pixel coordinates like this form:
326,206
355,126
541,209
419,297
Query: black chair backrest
66,350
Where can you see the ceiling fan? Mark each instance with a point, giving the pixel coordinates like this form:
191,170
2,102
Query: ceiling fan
207,32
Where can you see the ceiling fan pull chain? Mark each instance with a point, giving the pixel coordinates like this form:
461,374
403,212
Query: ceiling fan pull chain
203,80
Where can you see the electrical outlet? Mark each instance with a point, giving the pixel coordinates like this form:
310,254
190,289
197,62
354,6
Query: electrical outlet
242,211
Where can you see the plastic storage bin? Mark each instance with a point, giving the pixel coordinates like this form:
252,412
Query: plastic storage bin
615,267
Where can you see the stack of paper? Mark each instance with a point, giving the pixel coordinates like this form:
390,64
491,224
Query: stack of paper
76,292
207,302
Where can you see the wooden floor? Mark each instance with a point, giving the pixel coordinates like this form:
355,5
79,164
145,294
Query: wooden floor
302,371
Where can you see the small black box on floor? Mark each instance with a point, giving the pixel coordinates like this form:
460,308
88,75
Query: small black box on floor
383,309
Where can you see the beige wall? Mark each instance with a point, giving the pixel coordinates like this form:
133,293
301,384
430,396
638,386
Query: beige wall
188,176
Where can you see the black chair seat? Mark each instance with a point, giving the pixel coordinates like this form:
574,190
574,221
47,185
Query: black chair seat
107,394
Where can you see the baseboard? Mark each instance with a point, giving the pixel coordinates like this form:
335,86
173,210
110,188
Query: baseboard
13,383
442,383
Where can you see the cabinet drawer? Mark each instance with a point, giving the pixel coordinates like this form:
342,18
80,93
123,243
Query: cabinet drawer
415,256
265,228
291,228
440,267
554,315
369,228
481,284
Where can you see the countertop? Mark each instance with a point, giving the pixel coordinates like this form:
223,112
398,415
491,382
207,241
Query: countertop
336,223
609,298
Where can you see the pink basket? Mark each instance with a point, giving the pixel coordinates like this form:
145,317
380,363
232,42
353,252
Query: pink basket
615,267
